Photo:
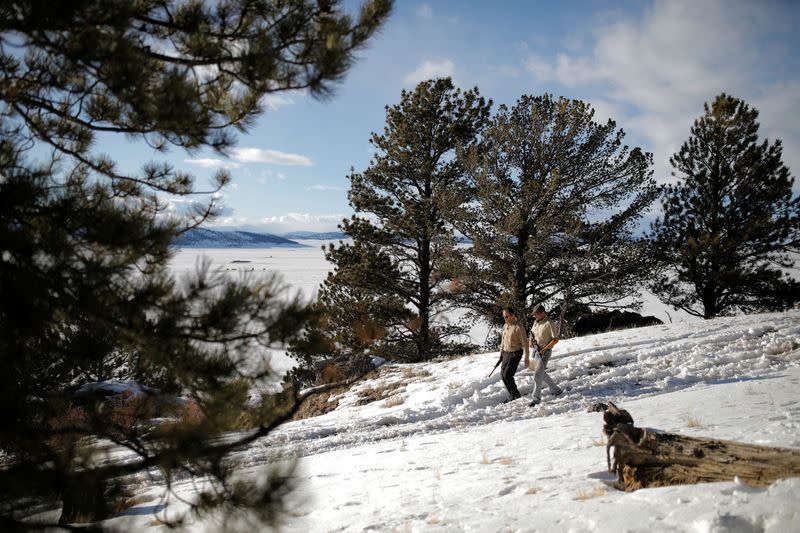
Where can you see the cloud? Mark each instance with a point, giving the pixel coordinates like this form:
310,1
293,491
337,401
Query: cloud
655,70
605,110
281,99
430,68
258,155
425,11
509,71
253,155
265,175
539,67
777,106
300,222
183,207
679,51
212,163
324,188
282,223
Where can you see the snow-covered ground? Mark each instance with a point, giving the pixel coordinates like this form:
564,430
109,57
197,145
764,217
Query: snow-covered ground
440,452
303,269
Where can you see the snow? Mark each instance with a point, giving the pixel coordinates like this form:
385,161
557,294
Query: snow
441,452
303,269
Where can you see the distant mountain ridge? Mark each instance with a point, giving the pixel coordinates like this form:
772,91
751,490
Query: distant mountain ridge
315,236
207,238
250,237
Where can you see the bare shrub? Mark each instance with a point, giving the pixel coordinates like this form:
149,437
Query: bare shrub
331,373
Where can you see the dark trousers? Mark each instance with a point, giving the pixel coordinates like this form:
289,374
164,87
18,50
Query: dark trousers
508,367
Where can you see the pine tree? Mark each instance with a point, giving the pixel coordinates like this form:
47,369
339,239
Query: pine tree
553,199
729,220
84,247
358,314
393,272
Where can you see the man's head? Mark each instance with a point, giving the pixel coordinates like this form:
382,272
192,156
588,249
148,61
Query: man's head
509,315
539,312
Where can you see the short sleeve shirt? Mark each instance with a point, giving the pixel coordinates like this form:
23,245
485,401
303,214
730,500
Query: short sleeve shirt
544,331
514,338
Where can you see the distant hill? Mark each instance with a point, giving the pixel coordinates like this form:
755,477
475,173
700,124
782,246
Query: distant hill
334,235
207,238
315,236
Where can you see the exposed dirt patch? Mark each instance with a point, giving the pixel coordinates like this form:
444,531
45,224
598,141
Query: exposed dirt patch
384,383
319,404
379,391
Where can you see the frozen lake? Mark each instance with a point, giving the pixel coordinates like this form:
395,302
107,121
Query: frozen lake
304,269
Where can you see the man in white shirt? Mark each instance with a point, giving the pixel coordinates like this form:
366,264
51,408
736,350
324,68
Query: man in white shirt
544,335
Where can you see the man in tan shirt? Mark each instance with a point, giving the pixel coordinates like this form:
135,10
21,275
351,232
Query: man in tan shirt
544,335
514,342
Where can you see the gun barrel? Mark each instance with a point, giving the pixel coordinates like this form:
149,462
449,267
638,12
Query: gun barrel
495,367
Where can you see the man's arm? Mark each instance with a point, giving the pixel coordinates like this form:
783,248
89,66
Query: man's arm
550,344
553,341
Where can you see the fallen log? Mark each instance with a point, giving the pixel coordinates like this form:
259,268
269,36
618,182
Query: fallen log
644,458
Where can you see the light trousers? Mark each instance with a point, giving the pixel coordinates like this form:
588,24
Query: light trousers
540,375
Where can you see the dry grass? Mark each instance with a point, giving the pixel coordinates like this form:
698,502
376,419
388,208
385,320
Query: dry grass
588,495
433,520
461,425
532,490
453,385
126,503
599,442
503,460
411,372
437,473
692,421
394,401
379,391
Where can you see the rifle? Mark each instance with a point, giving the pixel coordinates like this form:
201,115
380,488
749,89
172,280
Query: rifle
499,360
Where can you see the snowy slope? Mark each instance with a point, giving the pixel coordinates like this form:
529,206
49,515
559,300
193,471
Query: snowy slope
441,453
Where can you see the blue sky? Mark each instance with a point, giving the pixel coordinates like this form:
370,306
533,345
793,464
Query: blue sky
648,65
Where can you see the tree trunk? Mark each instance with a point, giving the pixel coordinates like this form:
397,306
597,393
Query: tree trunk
85,499
423,333
645,459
